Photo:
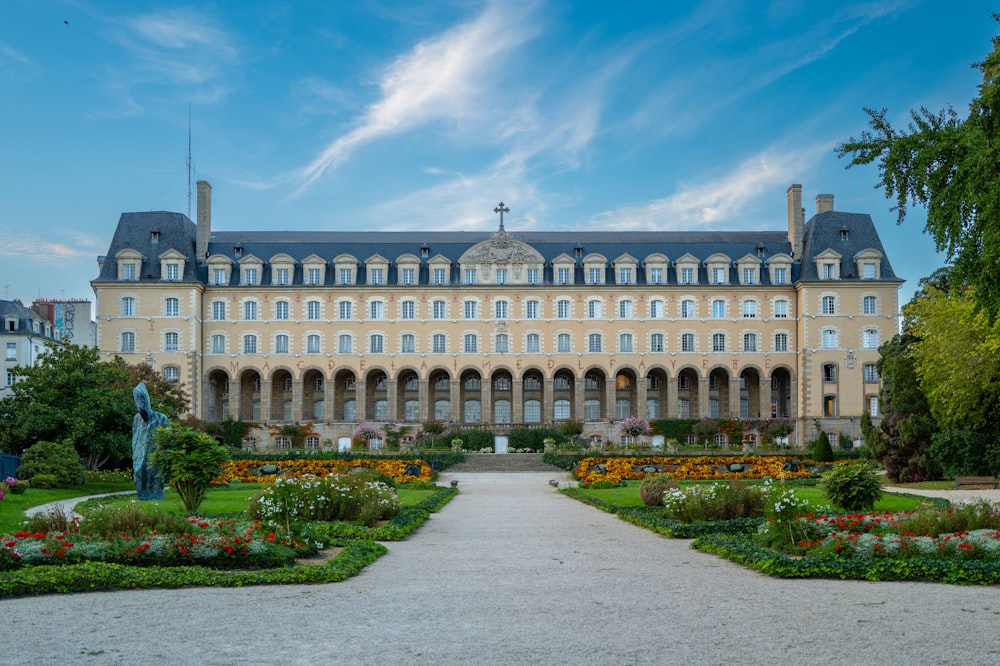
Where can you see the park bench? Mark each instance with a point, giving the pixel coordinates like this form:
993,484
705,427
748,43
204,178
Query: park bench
961,481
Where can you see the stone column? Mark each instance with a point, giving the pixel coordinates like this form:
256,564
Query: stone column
298,401
640,397
426,408
610,392
265,400
361,399
734,397
672,398
702,398
486,399
517,400
390,395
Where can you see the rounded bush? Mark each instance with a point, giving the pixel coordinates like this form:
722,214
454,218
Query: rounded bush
58,459
44,481
652,488
853,486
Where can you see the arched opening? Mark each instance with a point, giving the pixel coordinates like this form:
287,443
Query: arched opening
533,396
563,395
594,390
218,396
250,395
346,391
781,393
440,390
687,394
750,394
656,394
502,396
313,396
626,394
377,396
718,394
281,396
408,397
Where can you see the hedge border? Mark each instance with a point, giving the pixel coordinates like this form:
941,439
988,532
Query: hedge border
397,529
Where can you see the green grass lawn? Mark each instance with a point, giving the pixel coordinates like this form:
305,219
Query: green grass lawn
13,506
628,495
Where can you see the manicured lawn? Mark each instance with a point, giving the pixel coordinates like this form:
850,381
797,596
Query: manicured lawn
628,495
13,506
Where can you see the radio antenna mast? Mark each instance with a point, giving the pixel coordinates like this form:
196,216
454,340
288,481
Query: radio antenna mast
189,160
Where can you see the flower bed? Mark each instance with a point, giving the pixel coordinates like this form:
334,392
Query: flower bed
615,470
265,471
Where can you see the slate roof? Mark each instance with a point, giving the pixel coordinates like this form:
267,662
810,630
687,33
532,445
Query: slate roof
25,317
824,231
178,232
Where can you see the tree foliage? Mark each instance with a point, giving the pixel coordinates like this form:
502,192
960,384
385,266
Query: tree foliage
951,167
901,441
72,395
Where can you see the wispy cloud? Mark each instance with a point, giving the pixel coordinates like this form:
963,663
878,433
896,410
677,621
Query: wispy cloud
14,64
439,79
174,48
719,203
15,243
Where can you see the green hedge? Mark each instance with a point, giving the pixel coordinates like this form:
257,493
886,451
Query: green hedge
673,428
438,460
397,529
772,563
102,576
531,438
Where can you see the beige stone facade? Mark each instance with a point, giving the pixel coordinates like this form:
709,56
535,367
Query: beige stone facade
499,329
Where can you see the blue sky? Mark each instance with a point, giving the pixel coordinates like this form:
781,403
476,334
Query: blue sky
406,114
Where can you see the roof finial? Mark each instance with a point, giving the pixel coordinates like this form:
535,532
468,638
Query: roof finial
501,209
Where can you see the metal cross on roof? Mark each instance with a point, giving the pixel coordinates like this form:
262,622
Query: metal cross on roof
501,209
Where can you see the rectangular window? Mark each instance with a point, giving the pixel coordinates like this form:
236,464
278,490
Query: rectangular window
687,309
250,310
829,305
532,343
281,344
408,345
128,307
470,276
377,275
687,342
500,309
250,276
408,309
594,342
344,310
749,276
828,273
871,373
249,344
873,405
624,276
656,276
409,276
780,342
281,310
439,343
562,309
687,276
470,343
749,342
501,276
656,342
562,276
346,276
563,343
171,341
173,272
375,344
625,309
281,276
718,275
312,310
869,338
375,309
128,271
749,309
532,276
500,343
469,308
594,275
829,339
218,276
780,276
439,309
625,342
439,276
11,351
870,305
829,406
312,344
128,341
531,310
719,342
313,276
218,344
868,271
218,310
781,308
344,343
594,309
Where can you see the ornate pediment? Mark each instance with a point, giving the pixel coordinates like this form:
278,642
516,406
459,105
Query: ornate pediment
501,248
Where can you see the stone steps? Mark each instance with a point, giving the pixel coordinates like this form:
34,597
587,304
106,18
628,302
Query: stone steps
503,462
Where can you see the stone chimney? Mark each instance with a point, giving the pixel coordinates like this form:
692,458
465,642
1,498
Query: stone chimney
796,220
204,221
824,203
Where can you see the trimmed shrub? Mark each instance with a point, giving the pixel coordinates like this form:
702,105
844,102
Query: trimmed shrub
712,502
58,459
348,497
530,438
188,460
853,486
369,474
822,451
652,488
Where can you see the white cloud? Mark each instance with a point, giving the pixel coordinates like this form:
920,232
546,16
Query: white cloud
16,243
720,203
440,78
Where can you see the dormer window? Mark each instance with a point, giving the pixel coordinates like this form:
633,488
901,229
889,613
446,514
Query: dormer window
425,252
844,233
127,271
760,251
154,237
172,272
129,264
238,251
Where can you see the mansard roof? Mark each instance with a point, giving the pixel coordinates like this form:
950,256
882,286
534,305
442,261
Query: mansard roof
846,234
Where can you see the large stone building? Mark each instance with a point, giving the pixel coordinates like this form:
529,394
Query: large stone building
338,328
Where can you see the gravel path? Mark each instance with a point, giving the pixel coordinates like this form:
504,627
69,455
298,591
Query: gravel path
512,572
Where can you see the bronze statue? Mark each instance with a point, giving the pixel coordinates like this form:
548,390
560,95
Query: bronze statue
148,481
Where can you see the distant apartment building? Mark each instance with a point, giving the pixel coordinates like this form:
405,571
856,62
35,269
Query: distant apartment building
505,328
23,339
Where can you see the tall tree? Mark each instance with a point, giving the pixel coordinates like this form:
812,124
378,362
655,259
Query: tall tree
951,167
72,394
